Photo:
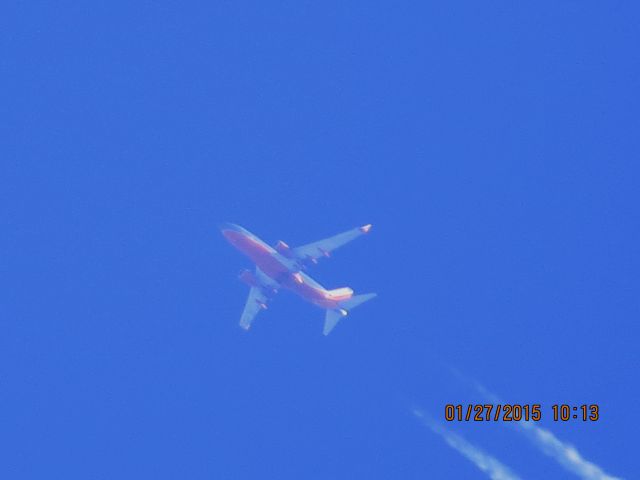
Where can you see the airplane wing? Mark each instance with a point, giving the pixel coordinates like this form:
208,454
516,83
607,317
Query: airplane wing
256,302
323,248
258,298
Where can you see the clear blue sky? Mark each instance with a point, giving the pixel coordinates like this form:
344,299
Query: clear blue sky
494,147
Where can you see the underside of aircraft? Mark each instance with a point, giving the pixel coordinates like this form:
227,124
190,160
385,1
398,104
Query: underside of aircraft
284,267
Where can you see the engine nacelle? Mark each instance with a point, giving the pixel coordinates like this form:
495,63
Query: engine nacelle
249,278
283,249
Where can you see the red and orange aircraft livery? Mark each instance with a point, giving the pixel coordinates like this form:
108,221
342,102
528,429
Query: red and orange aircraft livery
283,266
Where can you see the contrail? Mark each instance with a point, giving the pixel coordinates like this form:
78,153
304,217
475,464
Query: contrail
565,454
481,459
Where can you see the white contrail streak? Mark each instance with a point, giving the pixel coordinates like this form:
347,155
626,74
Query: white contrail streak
485,462
565,454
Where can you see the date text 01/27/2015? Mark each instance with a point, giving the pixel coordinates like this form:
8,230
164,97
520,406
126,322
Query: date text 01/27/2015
517,412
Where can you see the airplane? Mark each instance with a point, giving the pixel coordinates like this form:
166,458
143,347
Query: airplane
283,267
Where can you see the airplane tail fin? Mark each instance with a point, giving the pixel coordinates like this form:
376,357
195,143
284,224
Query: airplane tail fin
333,316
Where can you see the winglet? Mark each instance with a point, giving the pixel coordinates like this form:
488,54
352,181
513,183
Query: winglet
365,228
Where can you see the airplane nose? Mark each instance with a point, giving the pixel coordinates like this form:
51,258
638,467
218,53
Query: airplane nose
226,229
222,226
231,231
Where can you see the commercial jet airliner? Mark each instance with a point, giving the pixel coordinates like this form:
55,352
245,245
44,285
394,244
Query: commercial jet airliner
284,266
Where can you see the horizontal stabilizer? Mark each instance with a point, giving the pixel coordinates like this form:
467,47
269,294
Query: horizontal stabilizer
331,319
353,302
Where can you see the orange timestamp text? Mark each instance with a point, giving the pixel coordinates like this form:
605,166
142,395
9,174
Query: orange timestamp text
513,412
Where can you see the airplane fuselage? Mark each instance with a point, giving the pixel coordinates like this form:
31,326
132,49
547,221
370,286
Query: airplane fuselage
283,271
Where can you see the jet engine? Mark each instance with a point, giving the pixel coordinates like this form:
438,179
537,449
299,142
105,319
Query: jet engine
249,278
283,249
